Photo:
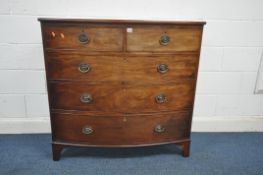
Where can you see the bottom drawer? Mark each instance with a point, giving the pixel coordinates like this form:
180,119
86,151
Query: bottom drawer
121,130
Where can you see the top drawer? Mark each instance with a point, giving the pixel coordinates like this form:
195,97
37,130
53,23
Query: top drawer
164,38
80,36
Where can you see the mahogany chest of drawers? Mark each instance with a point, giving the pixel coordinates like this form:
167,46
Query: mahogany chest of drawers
114,83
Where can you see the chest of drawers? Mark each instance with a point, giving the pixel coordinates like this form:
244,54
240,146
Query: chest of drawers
114,83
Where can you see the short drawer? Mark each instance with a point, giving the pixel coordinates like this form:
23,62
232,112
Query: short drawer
122,98
164,38
80,36
120,68
121,130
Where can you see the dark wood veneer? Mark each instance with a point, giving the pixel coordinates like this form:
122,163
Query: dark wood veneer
123,80
112,97
120,68
122,22
121,130
100,38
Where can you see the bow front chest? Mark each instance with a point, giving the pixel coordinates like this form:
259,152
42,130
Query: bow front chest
114,83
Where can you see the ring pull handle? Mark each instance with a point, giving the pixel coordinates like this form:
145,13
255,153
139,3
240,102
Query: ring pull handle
164,40
86,98
162,68
83,38
159,129
84,68
160,98
53,34
87,130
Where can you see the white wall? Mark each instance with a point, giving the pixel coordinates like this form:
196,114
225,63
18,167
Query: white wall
230,58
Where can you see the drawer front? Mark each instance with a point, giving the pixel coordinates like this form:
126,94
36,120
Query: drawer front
85,37
122,98
121,130
114,68
164,38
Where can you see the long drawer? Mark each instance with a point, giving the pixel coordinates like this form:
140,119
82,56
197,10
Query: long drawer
124,130
120,68
128,98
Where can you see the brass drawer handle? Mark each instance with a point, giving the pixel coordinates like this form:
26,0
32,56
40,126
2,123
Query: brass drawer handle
83,38
160,98
159,128
87,130
164,40
162,68
86,98
84,68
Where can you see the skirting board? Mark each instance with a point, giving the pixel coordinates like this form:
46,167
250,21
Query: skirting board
200,124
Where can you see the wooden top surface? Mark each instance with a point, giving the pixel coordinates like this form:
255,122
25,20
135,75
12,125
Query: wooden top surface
73,20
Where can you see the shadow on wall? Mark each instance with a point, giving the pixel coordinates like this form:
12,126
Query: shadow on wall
259,84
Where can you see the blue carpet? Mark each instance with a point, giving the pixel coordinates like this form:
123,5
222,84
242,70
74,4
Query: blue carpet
211,154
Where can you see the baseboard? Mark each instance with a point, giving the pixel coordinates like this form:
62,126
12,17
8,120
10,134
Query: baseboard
228,124
200,124
24,125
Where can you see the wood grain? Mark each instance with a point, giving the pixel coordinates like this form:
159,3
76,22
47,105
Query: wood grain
147,38
115,21
123,81
101,38
120,68
122,98
125,130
